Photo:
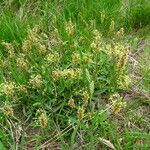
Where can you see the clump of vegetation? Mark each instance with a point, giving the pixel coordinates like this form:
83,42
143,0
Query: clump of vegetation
59,72
67,80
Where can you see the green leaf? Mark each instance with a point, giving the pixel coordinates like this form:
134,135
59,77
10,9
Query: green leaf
91,87
73,136
88,75
2,146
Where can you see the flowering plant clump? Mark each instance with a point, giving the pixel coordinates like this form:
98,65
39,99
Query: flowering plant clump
57,74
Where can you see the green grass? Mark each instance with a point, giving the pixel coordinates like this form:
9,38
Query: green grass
42,116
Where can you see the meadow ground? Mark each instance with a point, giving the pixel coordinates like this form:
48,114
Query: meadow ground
75,74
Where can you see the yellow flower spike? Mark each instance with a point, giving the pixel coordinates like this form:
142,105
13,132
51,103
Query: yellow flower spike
95,32
11,54
21,63
40,48
124,82
69,73
123,61
53,58
80,113
10,49
8,110
36,81
43,120
117,103
78,73
87,57
21,89
120,33
8,46
118,51
26,47
49,58
96,44
93,45
57,57
114,96
32,36
70,28
55,38
102,17
117,106
98,38
8,88
85,98
76,58
71,103
56,75
112,26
